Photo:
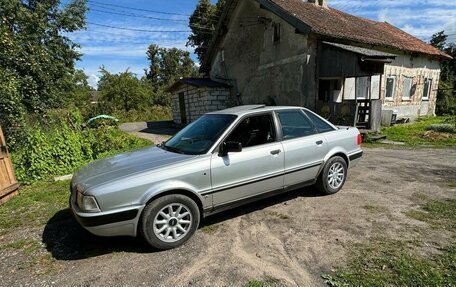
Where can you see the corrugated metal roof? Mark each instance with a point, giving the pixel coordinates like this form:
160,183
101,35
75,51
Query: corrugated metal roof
362,51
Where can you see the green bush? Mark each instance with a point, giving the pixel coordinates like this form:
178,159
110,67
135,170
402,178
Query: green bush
61,147
441,128
155,113
103,121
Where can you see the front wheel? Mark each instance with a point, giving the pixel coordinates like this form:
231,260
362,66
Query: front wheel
333,176
169,221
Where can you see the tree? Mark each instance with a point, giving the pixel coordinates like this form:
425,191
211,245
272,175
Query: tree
446,95
81,90
122,91
203,22
167,66
36,57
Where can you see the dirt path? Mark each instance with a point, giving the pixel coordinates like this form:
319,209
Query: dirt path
156,132
294,238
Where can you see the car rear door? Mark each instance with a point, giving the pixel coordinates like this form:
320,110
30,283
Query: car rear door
257,169
304,147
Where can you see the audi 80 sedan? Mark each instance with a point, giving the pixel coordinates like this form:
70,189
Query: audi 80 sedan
222,160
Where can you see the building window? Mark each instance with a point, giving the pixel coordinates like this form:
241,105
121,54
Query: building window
276,27
407,89
390,87
427,89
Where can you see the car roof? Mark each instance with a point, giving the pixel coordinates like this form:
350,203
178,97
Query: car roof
248,109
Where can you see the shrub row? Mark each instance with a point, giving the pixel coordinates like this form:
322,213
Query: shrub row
64,146
442,128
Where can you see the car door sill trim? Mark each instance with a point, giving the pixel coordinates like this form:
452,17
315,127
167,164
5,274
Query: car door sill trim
261,179
249,199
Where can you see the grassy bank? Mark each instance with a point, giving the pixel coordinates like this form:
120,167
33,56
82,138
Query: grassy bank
34,205
416,134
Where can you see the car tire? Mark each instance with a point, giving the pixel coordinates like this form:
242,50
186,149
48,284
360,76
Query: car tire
169,221
332,177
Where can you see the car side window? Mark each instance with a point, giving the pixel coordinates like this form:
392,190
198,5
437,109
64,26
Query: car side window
321,125
254,131
295,124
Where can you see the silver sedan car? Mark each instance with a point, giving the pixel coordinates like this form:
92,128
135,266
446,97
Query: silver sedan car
222,160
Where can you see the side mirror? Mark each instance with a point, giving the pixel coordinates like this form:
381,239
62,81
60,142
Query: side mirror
228,147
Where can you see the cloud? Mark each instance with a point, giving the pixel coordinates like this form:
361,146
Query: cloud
121,49
93,81
421,18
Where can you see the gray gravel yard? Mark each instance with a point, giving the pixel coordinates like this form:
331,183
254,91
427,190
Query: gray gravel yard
293,238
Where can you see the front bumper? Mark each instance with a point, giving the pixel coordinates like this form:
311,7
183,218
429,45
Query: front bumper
121,222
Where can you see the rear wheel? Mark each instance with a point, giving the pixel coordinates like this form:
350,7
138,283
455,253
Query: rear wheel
169,221
332,177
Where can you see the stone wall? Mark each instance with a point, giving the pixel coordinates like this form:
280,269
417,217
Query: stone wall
417,68
199,101
264,71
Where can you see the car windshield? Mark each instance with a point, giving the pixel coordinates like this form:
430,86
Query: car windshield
199,136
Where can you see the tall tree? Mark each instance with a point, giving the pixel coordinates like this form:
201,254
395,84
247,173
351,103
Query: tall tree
122,91
36,56
446,95
168,65
203,22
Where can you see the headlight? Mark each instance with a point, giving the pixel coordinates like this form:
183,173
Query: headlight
87,203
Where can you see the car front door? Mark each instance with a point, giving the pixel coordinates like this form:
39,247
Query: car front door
304,148
257,169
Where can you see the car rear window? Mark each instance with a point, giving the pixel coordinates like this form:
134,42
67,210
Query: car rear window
321,125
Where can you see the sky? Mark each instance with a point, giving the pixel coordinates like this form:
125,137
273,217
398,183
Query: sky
119,31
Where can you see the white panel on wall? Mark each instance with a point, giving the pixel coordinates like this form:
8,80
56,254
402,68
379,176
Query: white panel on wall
338,96
349,89
375,87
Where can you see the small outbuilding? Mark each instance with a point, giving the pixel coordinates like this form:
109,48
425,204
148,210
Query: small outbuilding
193,97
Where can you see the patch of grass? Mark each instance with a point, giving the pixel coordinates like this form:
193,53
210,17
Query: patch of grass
36,259
267,282
387,262
439,214
420,196
210,229
452,184
278,215
384,262
28,246
415,134
375,208
34,205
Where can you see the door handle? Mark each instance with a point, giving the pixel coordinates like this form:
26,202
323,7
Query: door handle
319,142
275,152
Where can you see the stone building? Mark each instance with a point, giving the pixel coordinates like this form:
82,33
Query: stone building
297,52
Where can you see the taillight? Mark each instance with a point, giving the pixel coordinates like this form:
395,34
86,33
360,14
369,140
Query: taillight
360,139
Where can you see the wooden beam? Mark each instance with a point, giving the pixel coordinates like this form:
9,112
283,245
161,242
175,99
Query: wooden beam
8,193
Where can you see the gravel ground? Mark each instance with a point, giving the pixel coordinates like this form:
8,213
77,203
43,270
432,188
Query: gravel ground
157,132
294,238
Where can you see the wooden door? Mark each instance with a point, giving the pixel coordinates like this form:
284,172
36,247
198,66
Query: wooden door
8,183
183,111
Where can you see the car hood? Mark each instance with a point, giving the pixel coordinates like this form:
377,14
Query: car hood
109,169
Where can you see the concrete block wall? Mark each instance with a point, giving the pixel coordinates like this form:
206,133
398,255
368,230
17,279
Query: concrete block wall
199,101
